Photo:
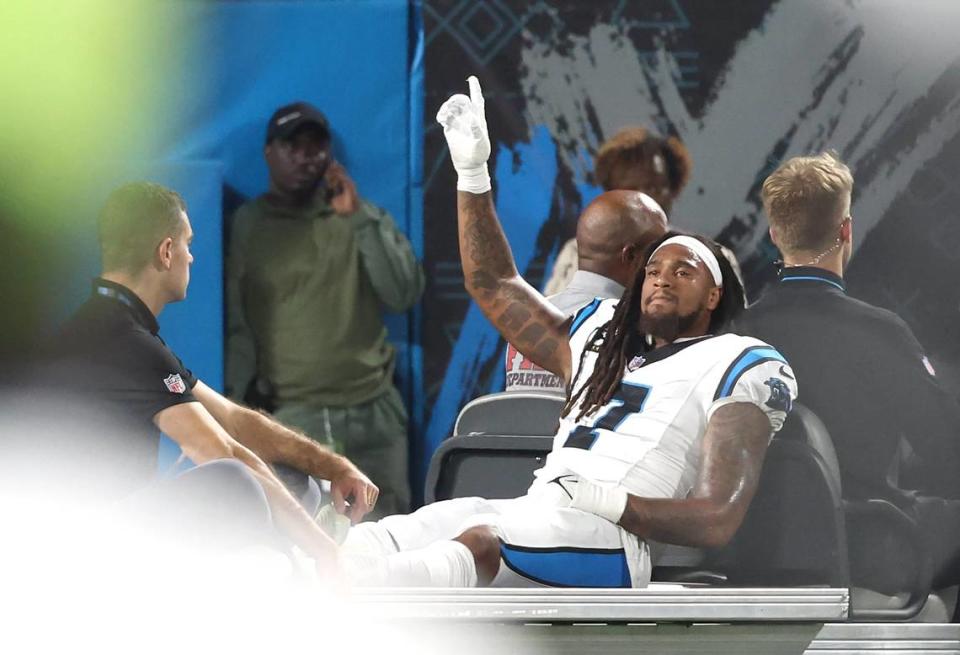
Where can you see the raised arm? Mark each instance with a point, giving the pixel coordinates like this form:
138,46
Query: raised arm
521,314
732,454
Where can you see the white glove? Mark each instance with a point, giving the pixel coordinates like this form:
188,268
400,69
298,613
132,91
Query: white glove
465,127
604,502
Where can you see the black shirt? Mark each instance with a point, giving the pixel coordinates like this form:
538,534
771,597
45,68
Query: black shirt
109,360
862,371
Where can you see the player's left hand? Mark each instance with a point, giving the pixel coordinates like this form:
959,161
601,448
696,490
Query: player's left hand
605,502
345,199
351,483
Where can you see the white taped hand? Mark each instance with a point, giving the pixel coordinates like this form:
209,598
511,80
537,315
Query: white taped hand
465,127
602,501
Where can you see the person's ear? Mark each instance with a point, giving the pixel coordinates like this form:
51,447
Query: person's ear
773,235
165,254
713,298
846,230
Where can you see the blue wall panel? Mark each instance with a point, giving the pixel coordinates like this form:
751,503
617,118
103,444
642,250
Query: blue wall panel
193,328
350,59
347,58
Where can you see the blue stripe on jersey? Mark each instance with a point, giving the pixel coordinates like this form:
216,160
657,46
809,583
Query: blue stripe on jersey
569,567
583,314
753,356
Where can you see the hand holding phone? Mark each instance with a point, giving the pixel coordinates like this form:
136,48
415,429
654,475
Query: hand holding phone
341,191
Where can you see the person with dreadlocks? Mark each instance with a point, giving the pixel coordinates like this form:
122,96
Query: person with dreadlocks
662,437
614,231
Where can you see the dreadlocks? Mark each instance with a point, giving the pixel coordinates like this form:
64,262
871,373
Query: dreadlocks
621,338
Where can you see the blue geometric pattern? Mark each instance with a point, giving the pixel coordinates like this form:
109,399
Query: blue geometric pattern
664,15
471,25
483,28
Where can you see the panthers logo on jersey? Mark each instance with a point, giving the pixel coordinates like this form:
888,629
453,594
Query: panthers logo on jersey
779,395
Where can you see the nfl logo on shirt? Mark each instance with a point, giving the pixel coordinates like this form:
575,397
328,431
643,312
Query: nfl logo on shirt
175,383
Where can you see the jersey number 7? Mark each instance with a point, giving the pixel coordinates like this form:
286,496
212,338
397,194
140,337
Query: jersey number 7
628,400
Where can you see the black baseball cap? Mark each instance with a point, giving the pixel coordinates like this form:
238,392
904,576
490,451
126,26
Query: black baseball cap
290,118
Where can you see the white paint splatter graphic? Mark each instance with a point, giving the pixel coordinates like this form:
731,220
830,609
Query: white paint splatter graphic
878,81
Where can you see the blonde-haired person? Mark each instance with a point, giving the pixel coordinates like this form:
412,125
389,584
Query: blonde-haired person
864,373
807,200
634,159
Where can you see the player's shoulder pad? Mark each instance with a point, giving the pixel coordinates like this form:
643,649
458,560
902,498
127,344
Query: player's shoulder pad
746,353
597,312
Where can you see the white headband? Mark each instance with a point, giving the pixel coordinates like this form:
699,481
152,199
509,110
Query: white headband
701,250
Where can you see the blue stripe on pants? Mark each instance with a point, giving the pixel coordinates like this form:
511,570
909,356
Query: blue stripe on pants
569,567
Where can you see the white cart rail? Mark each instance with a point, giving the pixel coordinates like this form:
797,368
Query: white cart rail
660,619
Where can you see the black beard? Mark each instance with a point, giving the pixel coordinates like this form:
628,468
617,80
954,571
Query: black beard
667,328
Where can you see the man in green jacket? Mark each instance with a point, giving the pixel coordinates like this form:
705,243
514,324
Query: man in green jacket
309,267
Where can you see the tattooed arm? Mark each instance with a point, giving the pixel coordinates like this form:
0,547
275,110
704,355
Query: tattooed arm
732,454
523,316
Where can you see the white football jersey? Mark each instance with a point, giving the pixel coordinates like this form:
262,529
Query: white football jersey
647,439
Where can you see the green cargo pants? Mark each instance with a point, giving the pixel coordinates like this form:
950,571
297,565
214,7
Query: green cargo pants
372,435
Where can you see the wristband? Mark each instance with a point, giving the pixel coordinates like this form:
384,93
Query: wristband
604,502
473,180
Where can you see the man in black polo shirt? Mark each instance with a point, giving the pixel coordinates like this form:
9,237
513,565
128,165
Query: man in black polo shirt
109,356
864,373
